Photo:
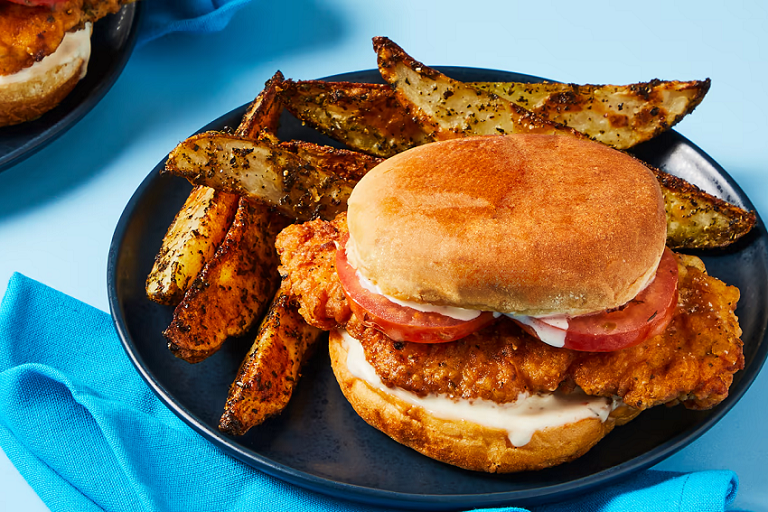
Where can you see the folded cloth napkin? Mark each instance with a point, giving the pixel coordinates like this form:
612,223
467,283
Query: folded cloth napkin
161,17
88,434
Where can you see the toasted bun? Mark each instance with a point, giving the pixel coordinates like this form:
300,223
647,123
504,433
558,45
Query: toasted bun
527,224
463,443
34,91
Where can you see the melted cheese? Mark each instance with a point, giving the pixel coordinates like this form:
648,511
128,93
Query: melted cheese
74,46
521,419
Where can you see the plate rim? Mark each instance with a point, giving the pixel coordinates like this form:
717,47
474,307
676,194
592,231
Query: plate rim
382,497
78,111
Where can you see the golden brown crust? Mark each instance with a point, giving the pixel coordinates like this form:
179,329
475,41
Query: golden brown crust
556,225
463,443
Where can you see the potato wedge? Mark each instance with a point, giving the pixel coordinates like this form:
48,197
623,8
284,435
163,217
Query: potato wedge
262,171
620,116
365,117
263,114
190,242
271,369
695,219
449,108
345,164
233,289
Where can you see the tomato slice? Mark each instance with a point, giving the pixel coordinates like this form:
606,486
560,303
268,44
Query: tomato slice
400,323
645,316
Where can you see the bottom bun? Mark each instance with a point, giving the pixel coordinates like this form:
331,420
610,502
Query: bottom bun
464,443
29,95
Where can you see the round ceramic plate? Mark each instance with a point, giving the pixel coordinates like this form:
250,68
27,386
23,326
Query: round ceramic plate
319,443
112,43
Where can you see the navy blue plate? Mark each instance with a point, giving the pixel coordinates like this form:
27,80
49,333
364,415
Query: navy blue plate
112,42
321,444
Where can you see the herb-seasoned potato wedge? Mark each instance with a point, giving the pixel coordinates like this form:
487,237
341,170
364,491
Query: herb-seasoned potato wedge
263,114
365,117
295,185
449,108
270,371
695,219
368,117
190,242
233,289
342,163
620,116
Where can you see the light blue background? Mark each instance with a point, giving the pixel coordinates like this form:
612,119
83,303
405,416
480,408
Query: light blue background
58,209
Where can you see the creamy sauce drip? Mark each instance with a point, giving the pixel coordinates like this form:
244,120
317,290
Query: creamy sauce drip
75,45
521,419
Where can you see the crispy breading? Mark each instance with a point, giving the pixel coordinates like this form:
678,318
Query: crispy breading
308,255
27,34
692,362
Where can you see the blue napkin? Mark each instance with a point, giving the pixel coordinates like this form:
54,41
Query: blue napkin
88,434
161,17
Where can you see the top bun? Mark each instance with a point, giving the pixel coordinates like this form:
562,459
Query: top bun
526,224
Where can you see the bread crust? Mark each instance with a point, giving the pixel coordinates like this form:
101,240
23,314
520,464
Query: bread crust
527,224
463,443
22,101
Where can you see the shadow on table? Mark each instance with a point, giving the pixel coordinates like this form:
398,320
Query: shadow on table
175,75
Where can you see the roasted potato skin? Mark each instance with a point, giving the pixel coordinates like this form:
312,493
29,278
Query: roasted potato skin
233,290
191,240
263,114
271,369
449,108
620,116
365,117
368,117
342,163
263,171
697,220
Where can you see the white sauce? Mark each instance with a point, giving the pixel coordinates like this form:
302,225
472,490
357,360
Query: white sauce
450,311
520,419
453,312
74,46
552,333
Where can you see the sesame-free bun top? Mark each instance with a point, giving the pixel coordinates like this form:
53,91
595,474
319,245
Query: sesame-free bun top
526,224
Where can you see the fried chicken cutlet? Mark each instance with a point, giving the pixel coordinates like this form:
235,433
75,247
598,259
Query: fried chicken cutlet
692,362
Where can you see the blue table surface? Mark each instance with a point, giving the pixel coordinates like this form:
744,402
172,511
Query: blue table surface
58,209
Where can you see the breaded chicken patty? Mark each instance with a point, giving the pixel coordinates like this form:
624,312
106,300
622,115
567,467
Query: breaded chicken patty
692,362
